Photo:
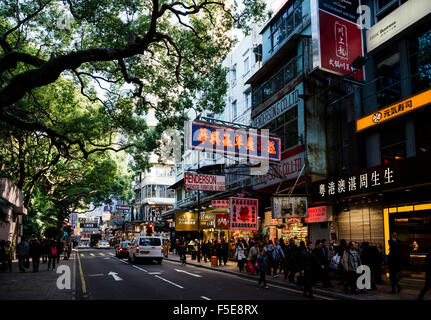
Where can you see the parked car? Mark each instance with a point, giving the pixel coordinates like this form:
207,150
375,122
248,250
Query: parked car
122,250
103,244
146,248
84,243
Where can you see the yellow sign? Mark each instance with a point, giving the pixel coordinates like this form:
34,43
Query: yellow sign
394,110
186,220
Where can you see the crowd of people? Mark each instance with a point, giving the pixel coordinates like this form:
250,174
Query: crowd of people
45,251
307,263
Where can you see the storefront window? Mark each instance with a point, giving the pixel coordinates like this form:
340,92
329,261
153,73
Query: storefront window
420,61
423,131
388,84
393,142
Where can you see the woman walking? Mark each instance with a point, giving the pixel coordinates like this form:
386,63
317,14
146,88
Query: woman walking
240,255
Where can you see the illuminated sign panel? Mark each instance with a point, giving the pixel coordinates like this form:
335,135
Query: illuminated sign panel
239,142
205,182
394,110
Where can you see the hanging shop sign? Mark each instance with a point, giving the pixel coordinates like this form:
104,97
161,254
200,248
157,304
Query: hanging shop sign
396,22
238,142
222,221
394,111
289,207
243,213
207,220
204,182
336,36
89,225
287,169
186,220
220,204
280,107
269,221
317,214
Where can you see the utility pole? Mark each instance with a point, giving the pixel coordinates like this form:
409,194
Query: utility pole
199,214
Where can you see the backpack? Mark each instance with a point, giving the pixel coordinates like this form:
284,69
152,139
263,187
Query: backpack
53,251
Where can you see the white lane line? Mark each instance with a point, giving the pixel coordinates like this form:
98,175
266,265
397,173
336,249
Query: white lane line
189,273
154,273
174,284
92,254
121,260
205,298
139,268
95,275
111,253
102,254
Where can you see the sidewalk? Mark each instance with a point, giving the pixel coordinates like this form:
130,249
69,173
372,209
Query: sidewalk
410,287
40,285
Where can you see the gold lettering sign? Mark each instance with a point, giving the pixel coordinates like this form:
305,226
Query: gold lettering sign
394,110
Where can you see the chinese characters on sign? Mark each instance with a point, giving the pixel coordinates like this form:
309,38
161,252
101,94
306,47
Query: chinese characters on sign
204,182
243,213
316,214
239,142
222,221
220,204
362,182
394,110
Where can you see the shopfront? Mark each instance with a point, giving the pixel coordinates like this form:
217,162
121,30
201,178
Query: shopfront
319,222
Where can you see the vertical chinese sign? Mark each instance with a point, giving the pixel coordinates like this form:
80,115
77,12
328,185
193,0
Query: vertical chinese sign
243,213
337,38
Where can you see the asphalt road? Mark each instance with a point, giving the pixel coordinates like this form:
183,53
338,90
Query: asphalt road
105,277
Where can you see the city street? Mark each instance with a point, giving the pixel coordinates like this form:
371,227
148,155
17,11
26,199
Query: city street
169,280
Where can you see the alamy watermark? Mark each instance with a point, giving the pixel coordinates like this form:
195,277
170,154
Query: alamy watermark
64,281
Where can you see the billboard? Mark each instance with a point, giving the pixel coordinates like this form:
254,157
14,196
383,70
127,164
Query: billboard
238,142
205,182
243,213
220,204
317,214
186,220
336,36
289,207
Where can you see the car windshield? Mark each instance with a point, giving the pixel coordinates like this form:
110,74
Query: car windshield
149,242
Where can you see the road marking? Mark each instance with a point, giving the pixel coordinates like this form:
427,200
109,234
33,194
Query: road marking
102,254
174,284
140,268
92,254
95,275
111,253
205,298
189,273
82,254
115,276
154,273
83,286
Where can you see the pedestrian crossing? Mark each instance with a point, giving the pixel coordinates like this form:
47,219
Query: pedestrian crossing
95,254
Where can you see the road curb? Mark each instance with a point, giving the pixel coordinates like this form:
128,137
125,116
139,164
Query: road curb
326,293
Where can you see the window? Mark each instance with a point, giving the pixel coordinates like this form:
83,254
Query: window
247,100
288,21
234,74
234,110
385,7
420,61
246,66
389,84
286,128
393,142
149,242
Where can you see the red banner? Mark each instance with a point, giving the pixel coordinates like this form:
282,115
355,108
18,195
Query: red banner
243,213
340,44
222,221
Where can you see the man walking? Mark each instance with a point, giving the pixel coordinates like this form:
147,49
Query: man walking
10,253
351,261
52,257
35,253
22,252
394,262
225,251
325,261
309,263
263,265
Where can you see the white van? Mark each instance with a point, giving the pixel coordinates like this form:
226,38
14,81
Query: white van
146,248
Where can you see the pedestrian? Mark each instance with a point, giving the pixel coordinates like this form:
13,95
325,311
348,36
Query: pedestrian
205,250
22,253
278,254
263,265
253,253
52,256
182,250
45,250
10,253
324,255
291,254
427,285
308,265
219,253
351,261
394,262
35,253
3,266
368,258
240,255
224,250
60,247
